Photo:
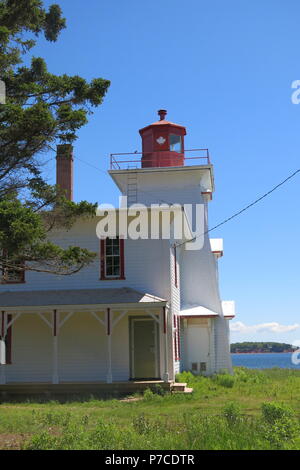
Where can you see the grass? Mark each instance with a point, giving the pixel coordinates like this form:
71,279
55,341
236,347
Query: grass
252,410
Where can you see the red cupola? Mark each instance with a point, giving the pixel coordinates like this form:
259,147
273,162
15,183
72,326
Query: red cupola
162,143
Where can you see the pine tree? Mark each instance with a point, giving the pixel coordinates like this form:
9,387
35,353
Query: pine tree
41,110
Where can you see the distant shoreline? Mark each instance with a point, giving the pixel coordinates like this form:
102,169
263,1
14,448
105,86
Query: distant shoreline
264,352
261,347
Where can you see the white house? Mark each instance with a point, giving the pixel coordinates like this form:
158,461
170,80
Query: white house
148,306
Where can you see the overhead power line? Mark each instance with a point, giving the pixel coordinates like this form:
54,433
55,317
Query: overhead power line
244,209
256,201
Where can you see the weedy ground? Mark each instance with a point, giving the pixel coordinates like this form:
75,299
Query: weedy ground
251,410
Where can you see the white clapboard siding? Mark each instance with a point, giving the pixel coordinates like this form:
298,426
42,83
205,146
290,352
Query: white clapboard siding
146,266
31,351
82,350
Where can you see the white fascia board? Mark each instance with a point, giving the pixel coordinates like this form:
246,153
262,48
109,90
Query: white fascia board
82,308
197,311
216,244
140,207
228,307
210,185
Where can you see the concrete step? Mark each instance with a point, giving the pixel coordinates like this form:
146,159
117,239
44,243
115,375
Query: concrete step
177,387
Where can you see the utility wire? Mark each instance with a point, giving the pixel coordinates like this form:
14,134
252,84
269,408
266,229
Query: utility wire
244,209
224,221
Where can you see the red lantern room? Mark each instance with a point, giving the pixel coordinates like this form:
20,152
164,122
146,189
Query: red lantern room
162,143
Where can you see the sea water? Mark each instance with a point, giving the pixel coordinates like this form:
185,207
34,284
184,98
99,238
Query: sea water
264,360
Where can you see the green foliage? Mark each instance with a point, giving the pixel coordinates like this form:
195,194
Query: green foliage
273,411
41,109
148,394
159,390
242,374
186,377
213,418
23,234
142,425
52,418
225,380
279,426
232,411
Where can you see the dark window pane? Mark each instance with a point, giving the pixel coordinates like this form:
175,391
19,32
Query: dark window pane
116,271
116,250
109,250
109,271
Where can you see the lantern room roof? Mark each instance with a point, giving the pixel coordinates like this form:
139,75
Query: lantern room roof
162,122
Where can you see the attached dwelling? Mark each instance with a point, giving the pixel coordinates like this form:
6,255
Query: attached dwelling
149,305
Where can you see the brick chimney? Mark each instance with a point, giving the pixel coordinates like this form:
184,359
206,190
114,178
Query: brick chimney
64,169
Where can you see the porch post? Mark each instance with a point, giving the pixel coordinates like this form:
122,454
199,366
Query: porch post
2,350
55,379
108,332
165,329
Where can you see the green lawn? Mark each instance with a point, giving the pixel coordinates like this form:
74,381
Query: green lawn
223,412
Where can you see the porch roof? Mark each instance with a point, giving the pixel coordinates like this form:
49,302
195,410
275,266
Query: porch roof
198,311
77,297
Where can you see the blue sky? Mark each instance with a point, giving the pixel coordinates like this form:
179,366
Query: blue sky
224,70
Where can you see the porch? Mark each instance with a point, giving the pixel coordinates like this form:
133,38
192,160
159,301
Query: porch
66,391
94,342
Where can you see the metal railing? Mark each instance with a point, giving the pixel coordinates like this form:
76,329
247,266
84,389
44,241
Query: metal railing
164,158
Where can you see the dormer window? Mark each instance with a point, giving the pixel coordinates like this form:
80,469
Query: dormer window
112,259
175,143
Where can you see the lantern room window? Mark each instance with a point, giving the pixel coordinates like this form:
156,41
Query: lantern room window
175,143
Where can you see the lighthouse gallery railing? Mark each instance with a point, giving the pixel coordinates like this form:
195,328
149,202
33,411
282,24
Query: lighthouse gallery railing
127,161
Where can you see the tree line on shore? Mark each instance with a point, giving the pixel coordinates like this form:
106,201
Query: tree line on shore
261,347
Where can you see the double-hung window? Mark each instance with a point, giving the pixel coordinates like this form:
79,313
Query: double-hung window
112,258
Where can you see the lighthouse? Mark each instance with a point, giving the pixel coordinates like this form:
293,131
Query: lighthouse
166,173
149,304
